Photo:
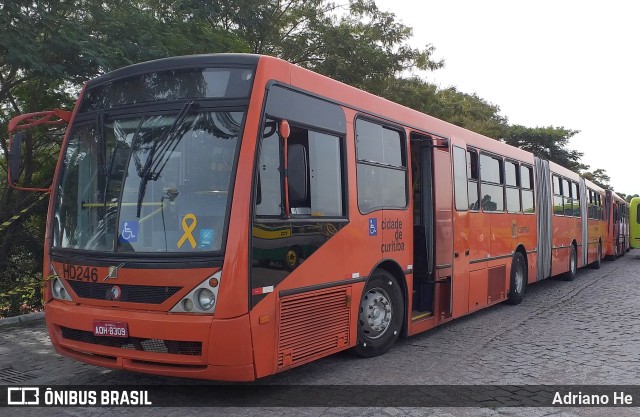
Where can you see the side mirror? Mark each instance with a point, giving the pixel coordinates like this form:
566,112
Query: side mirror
297,174
14,158
285,130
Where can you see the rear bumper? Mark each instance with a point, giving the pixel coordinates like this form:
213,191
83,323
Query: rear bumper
186,346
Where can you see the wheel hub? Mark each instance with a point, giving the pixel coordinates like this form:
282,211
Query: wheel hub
375,312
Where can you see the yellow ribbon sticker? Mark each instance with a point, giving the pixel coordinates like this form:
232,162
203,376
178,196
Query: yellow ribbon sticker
188,230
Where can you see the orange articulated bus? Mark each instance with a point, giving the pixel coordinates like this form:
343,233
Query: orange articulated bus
617,215
232,216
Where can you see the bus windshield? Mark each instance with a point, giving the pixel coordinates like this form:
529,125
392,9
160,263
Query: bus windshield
149,183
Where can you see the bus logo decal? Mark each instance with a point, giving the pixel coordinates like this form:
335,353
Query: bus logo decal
114,293
113,272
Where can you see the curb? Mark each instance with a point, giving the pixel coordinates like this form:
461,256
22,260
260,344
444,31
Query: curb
25,318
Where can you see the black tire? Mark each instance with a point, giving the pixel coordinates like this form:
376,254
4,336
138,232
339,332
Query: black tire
571,274
518,281
598,262
375,334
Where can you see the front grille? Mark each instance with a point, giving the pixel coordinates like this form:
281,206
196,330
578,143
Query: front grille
176,347
146,294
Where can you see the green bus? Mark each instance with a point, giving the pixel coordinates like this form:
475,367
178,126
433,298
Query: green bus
634,223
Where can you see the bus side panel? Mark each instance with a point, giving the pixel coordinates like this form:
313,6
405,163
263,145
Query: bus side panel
559,251
503,243
461,288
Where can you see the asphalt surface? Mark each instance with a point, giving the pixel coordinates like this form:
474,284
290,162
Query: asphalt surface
564,333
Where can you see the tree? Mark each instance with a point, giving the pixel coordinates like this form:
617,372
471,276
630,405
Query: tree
599,177
549,143
48,49
357,44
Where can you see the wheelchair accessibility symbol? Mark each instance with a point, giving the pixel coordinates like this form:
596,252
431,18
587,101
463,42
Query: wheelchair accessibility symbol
129,232
373,227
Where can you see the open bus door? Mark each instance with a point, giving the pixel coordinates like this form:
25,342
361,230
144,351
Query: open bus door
432,227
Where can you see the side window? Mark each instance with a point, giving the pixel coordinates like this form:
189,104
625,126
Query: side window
381,168
590,202
472,175
269,195
512,191
321,173
526,182
568,198
576,199
491,187
558,208
460,178
599,211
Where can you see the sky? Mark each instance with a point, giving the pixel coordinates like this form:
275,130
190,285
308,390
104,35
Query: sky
563,63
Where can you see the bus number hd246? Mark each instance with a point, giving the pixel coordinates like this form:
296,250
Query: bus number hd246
79,273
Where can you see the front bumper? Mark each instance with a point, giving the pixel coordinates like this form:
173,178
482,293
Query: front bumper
179,345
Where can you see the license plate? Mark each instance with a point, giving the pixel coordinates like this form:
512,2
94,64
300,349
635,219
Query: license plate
110,328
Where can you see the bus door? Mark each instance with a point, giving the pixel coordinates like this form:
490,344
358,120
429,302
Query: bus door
431,172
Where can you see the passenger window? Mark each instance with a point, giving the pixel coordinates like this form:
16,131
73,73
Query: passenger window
491,179
460,176
381,167
527,189
472,174
568,198
510,173
512,191
576,199
558,203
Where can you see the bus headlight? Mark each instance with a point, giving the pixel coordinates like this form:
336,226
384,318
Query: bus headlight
206,299
59,291
202,299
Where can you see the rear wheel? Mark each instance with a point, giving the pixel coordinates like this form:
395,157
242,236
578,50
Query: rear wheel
596,264
380,316
518,282
571,274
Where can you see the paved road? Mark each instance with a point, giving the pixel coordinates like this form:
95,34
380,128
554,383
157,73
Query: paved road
581,332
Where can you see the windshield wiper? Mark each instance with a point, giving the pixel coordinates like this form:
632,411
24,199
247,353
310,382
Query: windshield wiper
170,140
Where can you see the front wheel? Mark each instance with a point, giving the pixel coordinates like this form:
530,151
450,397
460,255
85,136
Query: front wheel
518,282
380,316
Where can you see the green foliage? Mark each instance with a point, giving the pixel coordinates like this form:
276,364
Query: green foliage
549,143
599,177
